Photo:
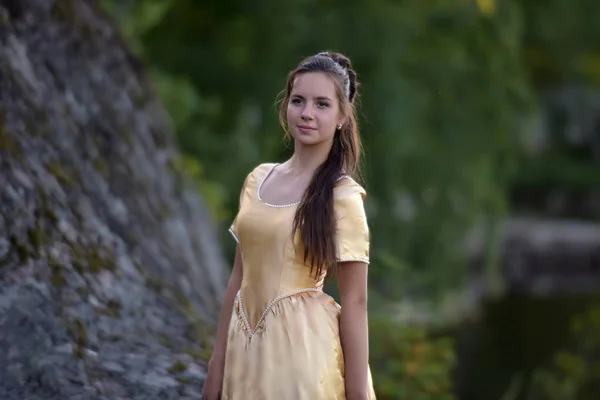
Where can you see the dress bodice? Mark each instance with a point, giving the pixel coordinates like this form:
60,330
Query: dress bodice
273,262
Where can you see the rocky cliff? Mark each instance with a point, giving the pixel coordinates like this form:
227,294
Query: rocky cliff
110,274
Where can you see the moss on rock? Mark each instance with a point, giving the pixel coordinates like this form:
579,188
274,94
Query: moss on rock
20,248
7,141
61,175
177,367
57,273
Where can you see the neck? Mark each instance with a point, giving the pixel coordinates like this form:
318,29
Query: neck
306,159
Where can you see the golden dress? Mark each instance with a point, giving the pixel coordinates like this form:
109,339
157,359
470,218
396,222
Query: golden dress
283,339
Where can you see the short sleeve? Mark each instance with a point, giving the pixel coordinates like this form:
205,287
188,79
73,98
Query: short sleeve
233,229
352,229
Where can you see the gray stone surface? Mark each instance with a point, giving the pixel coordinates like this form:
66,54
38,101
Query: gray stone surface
110,273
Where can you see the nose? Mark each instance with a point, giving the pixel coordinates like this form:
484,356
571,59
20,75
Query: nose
307,112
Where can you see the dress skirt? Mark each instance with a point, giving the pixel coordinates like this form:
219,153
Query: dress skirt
293,353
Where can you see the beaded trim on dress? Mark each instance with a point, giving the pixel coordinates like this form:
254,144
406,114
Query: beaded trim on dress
362,260
282,296
283,205
234,235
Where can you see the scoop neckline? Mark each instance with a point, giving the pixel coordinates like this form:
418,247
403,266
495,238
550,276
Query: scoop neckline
263,180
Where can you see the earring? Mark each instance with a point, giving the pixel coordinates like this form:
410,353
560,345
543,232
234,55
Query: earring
339,127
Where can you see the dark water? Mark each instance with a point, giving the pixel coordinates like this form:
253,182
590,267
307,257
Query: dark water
515,335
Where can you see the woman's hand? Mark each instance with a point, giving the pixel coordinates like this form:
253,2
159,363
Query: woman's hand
214,381
357,396
213,385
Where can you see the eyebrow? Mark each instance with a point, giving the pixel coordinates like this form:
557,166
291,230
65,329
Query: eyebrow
317,98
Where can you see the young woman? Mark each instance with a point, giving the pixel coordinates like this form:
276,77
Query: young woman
279,336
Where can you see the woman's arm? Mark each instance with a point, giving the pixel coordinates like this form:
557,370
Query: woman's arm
217,360
352,283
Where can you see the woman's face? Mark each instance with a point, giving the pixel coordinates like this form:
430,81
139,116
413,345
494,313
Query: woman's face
313,111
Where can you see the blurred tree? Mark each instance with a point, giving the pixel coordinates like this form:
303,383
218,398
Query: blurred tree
443,89
471,110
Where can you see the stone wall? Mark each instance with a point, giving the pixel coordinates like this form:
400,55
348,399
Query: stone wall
110,272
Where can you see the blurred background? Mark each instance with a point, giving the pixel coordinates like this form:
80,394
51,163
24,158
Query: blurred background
481,125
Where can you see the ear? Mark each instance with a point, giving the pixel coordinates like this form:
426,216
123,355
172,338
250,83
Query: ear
342,118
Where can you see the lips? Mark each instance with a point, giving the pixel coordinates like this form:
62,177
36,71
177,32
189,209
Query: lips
306,128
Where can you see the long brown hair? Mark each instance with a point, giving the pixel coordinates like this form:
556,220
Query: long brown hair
315,218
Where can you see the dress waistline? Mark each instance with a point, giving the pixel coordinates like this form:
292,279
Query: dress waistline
273,302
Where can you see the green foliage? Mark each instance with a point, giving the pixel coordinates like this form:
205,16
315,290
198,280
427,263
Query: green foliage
211,192
450,113
448,88
574,372
443,89
410,362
